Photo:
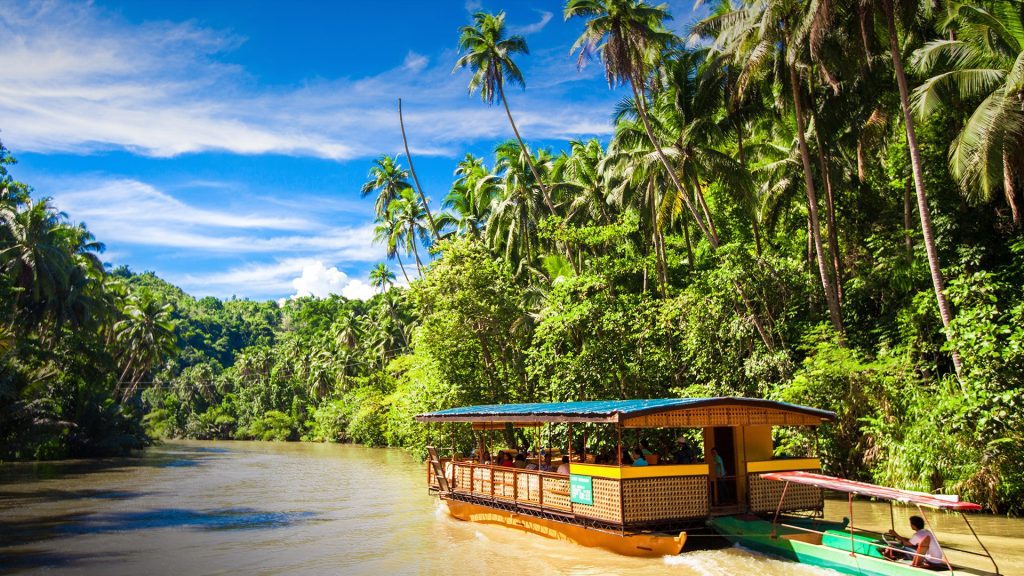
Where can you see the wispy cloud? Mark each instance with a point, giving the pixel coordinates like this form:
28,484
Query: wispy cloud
537,26
130,213
78,79
298,276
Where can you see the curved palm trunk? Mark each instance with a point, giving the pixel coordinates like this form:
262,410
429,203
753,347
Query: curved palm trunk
415,251
1009,190
641,108
430,217
938,283
704,208
533,168
812,208
402,266
830,212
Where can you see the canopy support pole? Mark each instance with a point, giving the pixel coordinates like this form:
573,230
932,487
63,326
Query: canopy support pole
570,441
932,530
987,553
618,432
778,510
853,547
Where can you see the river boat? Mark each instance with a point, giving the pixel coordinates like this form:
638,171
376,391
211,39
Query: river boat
841,546
631,510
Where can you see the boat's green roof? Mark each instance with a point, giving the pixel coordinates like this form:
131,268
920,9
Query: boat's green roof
602,410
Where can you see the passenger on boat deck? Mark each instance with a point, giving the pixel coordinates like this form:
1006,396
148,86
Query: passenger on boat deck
520,461
546,465
922,547
645,449
531,466
504,459
563,468
683,454
638,458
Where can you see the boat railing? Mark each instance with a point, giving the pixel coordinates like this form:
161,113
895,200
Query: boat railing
545,491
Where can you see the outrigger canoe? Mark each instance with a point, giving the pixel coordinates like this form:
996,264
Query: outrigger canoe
841,546
630,510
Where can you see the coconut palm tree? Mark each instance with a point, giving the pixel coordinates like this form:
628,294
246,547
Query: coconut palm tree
469,198
410,224
488,54
512,226
770,37
628,35
146,336
381,277
388,232
984,64
938,282
388,179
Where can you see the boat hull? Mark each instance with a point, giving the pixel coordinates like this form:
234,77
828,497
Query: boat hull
793,545
628,544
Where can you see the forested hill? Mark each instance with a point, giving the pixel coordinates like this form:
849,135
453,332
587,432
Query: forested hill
819,204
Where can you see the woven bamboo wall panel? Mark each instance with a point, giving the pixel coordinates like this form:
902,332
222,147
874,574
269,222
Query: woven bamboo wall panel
463,475
722,416
668,498
505,484
607,502
765,494
556,493
528,488
482,481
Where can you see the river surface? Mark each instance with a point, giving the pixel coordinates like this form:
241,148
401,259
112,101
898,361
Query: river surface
251,508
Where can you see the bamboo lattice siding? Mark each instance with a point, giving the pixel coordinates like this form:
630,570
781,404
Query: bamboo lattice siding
765,495
556,493
722,416
505,484
666,498
607,502
528,488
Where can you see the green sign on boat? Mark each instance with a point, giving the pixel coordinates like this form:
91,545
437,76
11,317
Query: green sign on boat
581,489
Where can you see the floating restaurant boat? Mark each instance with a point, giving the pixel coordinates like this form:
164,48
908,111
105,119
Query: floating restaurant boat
631,510
841,546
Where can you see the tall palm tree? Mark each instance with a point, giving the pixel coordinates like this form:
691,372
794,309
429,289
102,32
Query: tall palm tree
488,54
938,282
512,226
388,179
469,198
388,232
769,37
381,277
985,64
146,336
628,34
410,221
408,156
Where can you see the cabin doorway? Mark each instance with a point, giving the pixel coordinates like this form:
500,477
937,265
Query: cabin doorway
723,489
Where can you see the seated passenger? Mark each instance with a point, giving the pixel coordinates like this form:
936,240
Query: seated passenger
563,468
638,458
683,453
520,461
504,459
922,548
546,463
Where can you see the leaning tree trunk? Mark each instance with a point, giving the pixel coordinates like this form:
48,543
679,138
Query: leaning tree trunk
938,283
1009,189
830,212
402,266
812,208
408,156
533,168
641,110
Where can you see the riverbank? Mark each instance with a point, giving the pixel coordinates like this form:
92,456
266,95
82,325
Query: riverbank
194,507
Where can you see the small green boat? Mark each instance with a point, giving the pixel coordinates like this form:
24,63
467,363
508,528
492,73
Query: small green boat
840,546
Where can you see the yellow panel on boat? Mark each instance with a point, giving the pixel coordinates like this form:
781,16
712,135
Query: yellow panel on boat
784,464
623,472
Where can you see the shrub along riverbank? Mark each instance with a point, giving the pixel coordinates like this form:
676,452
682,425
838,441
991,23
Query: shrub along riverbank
810,243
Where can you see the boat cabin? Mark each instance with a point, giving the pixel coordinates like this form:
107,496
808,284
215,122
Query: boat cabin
618,496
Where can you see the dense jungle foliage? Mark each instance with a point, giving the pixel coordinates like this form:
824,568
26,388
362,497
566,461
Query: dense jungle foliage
806,201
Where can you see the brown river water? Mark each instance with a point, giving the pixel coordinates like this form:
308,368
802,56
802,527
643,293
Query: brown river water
186,508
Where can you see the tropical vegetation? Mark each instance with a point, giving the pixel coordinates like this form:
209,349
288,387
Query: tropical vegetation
814,202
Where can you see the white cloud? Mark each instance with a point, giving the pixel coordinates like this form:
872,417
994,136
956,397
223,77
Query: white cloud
78,79
537,26
473,6
298,276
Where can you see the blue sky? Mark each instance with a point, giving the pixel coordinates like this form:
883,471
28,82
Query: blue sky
222,144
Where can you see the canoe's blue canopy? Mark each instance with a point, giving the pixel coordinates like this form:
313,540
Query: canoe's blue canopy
602,410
